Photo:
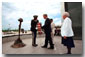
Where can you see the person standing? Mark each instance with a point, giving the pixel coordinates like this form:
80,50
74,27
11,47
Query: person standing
47,30
53,29
67,32
34,23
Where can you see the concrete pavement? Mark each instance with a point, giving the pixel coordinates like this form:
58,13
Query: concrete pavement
29,49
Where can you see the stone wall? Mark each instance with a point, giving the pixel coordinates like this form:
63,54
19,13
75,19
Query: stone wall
75,10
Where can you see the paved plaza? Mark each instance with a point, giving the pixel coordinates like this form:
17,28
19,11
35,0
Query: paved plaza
29,49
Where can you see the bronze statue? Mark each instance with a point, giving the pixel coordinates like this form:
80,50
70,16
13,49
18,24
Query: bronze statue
18,43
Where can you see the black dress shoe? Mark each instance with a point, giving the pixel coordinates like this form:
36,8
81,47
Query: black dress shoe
68,53
44,46
51,48
34,45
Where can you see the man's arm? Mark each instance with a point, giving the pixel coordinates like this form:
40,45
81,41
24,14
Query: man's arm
47,23
31,23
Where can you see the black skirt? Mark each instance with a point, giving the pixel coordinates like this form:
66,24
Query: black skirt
68,42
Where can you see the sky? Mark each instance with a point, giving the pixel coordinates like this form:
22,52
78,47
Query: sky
12,11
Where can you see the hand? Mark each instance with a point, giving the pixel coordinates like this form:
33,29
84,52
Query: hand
65,37
42,27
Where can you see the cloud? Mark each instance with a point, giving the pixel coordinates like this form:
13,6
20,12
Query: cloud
12,11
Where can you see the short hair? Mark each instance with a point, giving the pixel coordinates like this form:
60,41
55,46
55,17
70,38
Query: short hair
45,15
66,14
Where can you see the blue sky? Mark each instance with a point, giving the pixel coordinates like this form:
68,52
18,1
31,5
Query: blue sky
12,11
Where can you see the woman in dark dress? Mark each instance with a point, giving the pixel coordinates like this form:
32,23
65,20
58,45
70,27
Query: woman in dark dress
67,33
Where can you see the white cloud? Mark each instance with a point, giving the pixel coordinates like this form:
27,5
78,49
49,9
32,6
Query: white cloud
26,10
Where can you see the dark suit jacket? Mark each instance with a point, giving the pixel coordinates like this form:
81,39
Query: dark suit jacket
47,26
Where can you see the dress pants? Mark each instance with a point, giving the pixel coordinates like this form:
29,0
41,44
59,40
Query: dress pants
48,39
34,37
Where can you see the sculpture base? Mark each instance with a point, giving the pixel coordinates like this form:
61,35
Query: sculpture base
18,43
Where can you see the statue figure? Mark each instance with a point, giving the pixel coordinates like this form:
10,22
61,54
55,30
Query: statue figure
18,43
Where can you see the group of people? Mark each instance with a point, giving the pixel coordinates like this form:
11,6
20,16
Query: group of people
49,27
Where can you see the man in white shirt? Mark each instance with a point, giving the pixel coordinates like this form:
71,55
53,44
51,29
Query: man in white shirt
53,29
67,32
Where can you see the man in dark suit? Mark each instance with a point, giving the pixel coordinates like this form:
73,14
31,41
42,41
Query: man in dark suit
34,30
47,30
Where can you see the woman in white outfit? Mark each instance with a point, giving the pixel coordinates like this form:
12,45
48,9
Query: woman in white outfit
53,29
67,33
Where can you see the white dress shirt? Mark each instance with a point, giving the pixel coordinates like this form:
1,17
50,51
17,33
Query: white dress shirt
66,28
53,27
53,31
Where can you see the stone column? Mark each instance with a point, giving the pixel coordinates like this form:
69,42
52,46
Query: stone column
62,10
